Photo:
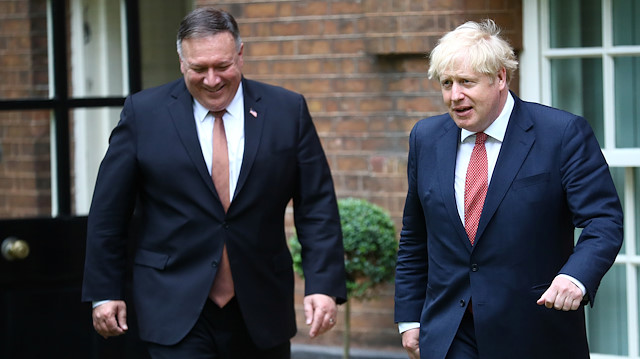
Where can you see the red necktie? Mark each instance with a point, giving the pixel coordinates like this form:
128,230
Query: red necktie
222,290
475,187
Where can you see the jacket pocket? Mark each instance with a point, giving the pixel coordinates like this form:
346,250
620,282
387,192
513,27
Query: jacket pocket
531,180
537,290
151,259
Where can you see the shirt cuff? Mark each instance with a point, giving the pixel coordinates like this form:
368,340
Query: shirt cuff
404,326
99,303
576,282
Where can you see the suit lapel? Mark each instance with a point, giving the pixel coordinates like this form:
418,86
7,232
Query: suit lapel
517,143
254,118
181,112
446,150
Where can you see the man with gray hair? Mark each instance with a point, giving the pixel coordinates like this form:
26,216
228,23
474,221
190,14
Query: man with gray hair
487,265
213,160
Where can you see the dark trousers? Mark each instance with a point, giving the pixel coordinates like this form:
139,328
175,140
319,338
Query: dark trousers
220,333
464,343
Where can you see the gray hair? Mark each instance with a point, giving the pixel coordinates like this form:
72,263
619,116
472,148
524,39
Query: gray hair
207,21
481,44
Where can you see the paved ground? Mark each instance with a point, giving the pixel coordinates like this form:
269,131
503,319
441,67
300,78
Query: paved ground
303,351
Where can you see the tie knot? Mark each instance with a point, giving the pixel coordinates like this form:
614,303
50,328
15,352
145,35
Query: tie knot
218,114
480,138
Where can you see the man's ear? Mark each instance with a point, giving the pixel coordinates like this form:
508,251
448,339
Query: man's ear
502,78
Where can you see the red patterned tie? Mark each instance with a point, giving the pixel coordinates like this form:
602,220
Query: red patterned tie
222,290
475,187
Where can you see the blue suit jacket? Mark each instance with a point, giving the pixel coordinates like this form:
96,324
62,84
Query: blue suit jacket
550,177
154,155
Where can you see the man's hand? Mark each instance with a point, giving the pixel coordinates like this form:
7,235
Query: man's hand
320,313
410,342
563,294
110,318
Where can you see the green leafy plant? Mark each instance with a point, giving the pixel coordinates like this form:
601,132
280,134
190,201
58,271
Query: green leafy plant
370,248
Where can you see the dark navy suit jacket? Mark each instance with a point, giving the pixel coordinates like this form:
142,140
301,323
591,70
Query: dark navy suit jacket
154,155
550,177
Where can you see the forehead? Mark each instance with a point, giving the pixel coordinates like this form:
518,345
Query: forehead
218,46
459,68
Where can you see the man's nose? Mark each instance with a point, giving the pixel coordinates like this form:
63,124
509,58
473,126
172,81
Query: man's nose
211,77
457,92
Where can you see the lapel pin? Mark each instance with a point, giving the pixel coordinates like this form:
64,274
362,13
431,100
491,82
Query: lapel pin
253,112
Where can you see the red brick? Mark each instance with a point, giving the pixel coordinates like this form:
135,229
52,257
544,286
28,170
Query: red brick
267,48
351,163
353,125
314,47
346,7
286,29
305,8
375,105
260,10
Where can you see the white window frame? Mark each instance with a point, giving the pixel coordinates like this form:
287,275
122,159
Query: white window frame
535,85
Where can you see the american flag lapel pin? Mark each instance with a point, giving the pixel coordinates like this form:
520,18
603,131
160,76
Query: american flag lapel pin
253,112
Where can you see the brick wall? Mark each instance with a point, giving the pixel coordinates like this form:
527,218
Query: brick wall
361,65
24,135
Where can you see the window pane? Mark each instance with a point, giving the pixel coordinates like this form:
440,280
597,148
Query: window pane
158,27
575,23
91,130
97,58
627,90
626,27
25,164
576,85
607,320
23,45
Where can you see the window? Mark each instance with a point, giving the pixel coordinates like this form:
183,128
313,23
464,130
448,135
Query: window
67,67
38,79
584,56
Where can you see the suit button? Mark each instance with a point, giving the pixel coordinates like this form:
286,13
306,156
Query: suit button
214,264
474,267
462,302
225,225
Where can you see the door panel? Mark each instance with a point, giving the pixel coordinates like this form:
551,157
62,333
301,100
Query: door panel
41,315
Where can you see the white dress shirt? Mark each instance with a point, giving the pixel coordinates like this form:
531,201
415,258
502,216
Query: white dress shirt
234,130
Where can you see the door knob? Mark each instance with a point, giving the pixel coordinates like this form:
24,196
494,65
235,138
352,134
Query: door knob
14,248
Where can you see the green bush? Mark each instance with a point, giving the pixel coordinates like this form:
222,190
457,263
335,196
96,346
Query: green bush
370,247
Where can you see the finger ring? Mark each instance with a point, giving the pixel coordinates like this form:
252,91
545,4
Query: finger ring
331,321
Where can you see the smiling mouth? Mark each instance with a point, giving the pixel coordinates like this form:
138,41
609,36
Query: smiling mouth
213,90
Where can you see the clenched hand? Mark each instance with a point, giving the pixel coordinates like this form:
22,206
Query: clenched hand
110,318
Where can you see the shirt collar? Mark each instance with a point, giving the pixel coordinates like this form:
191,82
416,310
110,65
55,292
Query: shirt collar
498,128
234,108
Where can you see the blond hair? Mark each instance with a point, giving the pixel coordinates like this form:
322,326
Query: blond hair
481,46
